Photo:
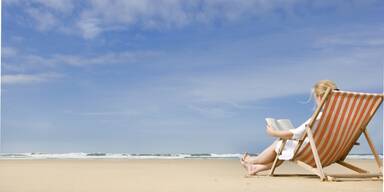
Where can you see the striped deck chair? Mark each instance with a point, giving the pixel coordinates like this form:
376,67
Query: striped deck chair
344,118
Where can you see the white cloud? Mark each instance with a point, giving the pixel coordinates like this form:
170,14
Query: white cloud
165,14
44,20
23,68
45,14
24,61
89,27
359,36
125,57
59,5
8,52
27,78
92,17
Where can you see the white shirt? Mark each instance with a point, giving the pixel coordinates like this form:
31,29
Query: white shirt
290,145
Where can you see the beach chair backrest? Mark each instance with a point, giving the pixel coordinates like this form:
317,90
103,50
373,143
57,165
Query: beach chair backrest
345,115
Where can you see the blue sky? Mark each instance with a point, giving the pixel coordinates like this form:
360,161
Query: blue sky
172,76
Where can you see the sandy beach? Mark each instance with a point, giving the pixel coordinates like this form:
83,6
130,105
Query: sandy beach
162,175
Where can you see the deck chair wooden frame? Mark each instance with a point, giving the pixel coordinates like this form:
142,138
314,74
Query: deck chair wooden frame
318,168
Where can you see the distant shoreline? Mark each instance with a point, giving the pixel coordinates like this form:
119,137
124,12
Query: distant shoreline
99,155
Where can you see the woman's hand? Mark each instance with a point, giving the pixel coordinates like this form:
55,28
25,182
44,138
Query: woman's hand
276,133
270,131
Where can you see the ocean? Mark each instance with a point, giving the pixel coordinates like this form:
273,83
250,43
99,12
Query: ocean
99,155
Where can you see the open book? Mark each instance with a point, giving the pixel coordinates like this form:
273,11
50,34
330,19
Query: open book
280,124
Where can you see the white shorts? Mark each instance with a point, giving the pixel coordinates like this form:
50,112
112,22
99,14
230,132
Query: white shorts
288,150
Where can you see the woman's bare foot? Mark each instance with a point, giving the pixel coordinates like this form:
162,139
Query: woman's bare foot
243,163
251,169
244,157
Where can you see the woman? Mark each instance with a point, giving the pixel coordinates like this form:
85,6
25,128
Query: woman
265,159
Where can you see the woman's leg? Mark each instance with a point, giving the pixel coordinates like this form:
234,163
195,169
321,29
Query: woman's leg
265,157
253,169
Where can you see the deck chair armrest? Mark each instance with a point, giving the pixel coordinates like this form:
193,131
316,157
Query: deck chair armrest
304,135
280,138
295,139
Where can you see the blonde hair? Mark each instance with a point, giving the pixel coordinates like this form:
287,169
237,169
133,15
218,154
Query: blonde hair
321,86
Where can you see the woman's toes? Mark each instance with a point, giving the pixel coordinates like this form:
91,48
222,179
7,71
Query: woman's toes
252,170
245,155
244,164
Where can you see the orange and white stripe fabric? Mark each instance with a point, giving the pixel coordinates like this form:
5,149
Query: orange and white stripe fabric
345,115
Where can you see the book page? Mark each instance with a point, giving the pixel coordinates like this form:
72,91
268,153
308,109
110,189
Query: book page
273,123
280,125
285,124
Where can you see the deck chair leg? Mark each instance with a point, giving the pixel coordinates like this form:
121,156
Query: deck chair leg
277,157
307,167
315,154
373,149
352,167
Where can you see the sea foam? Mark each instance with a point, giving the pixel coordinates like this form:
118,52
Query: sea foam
99,155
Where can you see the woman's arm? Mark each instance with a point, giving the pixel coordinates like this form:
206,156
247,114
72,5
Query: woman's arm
280,134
